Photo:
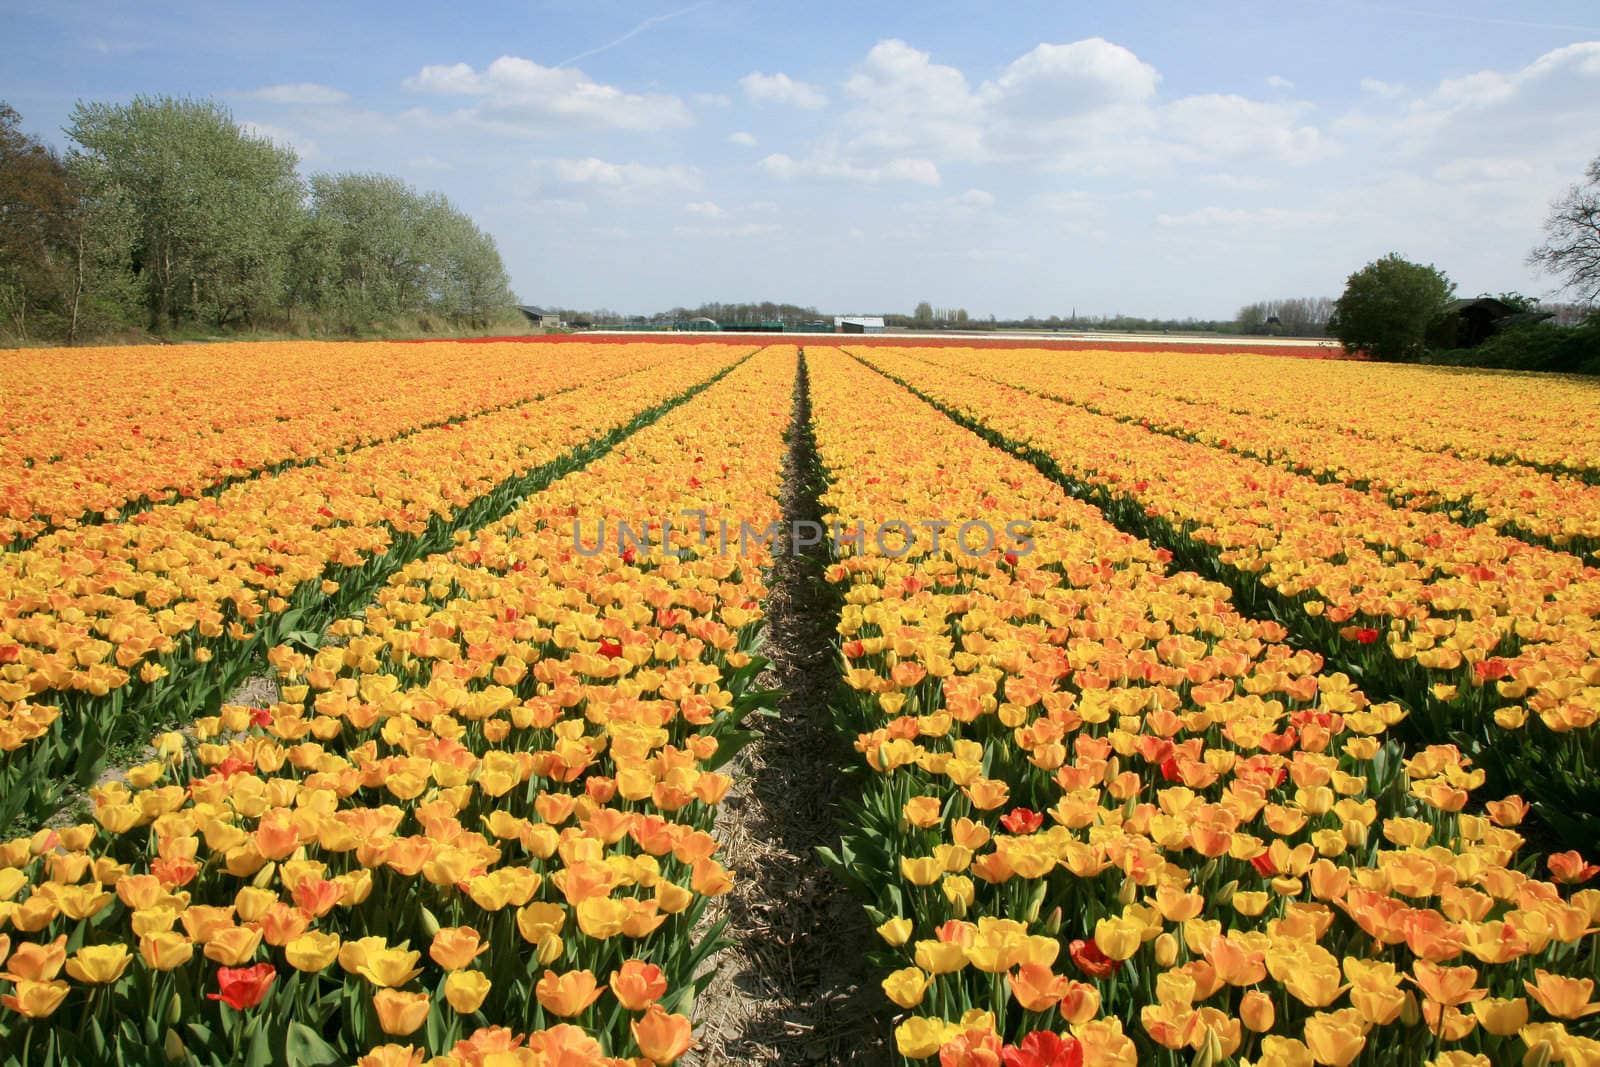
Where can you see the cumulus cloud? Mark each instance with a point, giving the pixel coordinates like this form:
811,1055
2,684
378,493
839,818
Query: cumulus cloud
1377,87
303,93
1216,126
915,171
905,101
704,208
1089,105
1270,218
743,139
735,230
1278,81
517,95
619,177
781,89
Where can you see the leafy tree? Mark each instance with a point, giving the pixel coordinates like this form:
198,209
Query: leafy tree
1387,307
374,248
37,205
215,207
923,315
1571,248
473,284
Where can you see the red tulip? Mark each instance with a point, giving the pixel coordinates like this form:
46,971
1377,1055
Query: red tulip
1044,1049
1366,636
1022,821
244,987
1091,961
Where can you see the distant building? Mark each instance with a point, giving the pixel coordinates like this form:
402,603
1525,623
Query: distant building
858,324
539,316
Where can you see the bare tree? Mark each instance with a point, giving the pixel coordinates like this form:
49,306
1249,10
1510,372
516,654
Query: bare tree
1571,248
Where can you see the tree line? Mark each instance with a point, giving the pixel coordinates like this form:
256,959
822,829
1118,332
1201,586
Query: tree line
166,215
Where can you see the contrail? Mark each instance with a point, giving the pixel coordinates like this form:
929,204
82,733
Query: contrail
645,25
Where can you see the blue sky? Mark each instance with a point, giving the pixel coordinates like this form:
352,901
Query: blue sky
1156,159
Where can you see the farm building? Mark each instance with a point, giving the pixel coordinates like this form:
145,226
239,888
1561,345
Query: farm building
539,316
858,324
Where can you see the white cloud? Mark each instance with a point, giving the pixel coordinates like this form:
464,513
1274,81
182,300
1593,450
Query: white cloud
916,171
976,198
306,93
740,230
304,147
1484,169
1216,126
619,177
743,139
1387,90
1235,183
1278,81
712,100
781,89
517,95
1089,105
906,102
704,208
1266,218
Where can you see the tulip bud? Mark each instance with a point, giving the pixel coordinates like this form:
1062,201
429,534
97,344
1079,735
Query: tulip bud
172,1047
1224,896
1036,900
1409,1010
174,1010
1355,833
1166,950
1204,1056
1128,807
1540,1054
1052,922
264,876
1206,871
430,923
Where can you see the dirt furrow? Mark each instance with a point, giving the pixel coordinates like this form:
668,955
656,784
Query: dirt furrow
794,986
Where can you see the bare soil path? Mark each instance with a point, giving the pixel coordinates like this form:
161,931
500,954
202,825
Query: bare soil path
795,987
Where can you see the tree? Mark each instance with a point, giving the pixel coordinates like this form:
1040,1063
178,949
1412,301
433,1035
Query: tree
473,283
374,248
37,204
1387,306
1571,248
216,208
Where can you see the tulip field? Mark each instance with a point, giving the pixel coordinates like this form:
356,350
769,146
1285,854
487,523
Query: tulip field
1195,708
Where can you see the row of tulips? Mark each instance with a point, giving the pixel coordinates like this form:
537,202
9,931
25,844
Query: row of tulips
1560,511
107,630
98,434
1492,643
476,825
1536,420
1108,819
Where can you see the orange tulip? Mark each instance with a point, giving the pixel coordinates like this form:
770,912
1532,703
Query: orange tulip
661,1038
567,994
400,1013
637,984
